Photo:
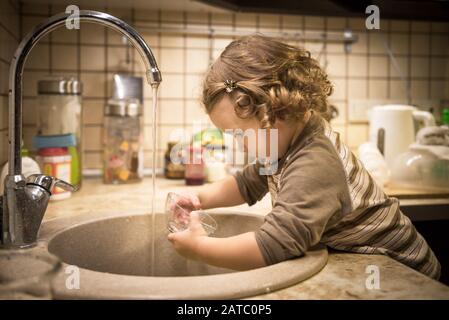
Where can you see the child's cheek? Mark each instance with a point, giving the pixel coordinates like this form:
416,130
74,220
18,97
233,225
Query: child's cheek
241,144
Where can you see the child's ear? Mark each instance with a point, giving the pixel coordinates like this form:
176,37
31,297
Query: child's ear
244,106
243,100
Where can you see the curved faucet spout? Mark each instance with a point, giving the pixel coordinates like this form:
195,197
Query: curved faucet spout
21,210
153,73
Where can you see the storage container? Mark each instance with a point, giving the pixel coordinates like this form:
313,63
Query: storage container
59,107
123,142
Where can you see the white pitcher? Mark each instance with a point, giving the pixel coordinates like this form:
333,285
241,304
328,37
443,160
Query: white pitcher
393,128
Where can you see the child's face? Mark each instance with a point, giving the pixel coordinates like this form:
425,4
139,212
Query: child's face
223,116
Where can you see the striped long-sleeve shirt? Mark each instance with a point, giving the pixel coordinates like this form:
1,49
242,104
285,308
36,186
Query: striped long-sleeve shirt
321,193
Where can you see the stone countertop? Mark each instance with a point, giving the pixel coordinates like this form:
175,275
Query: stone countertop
346,274
418,193
344,277
95,196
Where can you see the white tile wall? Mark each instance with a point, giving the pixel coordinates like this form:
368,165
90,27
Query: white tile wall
94,54
9,38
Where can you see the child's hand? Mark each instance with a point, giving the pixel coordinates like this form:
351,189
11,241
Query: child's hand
187,203
186,242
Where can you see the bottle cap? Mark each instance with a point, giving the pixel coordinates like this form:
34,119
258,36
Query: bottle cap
59,141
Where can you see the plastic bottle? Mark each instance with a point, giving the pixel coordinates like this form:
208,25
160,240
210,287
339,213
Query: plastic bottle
56,162
75,169
445,117
195,170
173,170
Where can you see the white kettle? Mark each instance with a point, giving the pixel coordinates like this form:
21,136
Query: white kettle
393,128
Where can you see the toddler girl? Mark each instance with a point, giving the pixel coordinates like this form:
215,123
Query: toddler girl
320,191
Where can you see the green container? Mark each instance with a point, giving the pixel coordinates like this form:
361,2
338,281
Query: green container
445,116
75,168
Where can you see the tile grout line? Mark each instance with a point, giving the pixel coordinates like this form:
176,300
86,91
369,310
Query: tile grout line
346,91
2,26
159,132
368,60
429,64
184,78
388,61
409,65
50,45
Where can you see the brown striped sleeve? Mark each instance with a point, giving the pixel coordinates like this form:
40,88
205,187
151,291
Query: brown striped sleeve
312,195
251,184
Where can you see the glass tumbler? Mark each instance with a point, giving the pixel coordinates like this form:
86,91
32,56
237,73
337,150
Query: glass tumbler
178,211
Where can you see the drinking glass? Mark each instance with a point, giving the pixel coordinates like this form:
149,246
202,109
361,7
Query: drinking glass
178,211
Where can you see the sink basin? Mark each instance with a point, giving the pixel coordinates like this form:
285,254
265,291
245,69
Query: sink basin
113,253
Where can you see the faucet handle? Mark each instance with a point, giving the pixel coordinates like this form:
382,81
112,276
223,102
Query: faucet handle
64,185
48,182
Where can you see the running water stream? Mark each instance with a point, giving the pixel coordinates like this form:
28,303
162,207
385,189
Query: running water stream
153,178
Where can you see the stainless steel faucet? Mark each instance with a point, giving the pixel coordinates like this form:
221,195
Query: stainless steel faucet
23,205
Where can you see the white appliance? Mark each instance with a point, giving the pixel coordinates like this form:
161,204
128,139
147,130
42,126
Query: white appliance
393,128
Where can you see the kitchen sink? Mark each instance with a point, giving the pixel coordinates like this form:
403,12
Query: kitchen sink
113,256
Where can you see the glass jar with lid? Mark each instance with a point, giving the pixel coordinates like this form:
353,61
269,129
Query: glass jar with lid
59,115
123,142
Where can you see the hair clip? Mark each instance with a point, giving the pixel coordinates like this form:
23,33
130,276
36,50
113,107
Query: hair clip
230,85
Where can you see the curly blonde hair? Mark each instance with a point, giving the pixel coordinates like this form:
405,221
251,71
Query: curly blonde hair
267,79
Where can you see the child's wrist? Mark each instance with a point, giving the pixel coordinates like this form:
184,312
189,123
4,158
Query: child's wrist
201,248
202,199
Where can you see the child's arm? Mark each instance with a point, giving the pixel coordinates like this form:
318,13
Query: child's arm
239,252
223,193
246,186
